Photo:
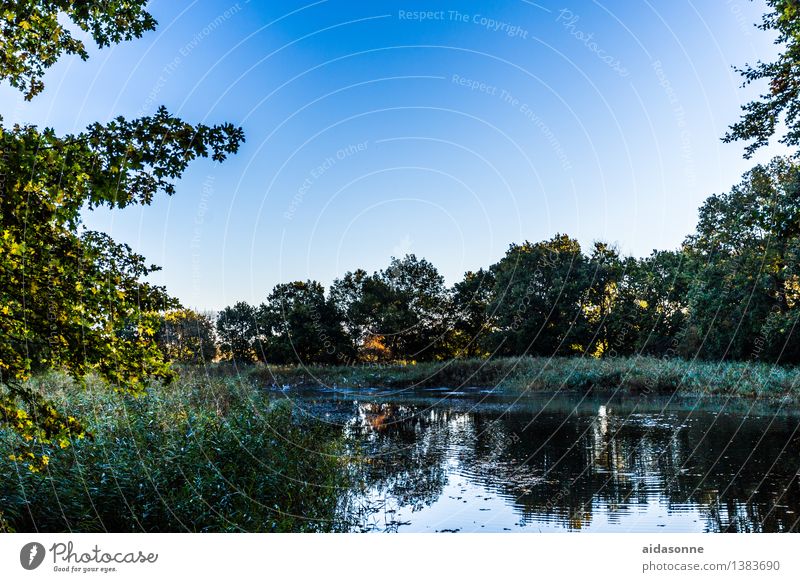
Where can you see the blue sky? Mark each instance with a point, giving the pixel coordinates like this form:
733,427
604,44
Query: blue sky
372,131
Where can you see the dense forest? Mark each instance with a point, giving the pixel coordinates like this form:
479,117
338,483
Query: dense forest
730,292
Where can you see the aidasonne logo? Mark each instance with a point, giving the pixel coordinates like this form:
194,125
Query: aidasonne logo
67,559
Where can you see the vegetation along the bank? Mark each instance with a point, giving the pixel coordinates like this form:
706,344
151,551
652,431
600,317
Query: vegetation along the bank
210,453
641,375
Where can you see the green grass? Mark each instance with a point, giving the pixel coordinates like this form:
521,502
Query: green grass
635,374
203,454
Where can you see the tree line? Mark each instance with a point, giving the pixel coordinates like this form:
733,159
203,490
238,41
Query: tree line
730,292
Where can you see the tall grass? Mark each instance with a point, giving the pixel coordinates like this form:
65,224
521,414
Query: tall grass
203,454
635,374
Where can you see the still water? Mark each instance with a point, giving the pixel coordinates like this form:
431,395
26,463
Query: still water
438,460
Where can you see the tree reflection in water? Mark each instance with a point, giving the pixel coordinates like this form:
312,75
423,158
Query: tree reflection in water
569,462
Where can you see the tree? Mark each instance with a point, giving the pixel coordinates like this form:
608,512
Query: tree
237,328
744,300
414,317
537,304
73,299
33,38
761,116
651,304
600,301
398,313
300,325
353,295
470,313
187,336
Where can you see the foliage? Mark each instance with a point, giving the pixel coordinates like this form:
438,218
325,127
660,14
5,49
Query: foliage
603,274
470,316
399,313
536,304
76,300
73,299
209,454
743,302
33,38
187,336
649,306
761,117
414,320
731,292
299,324
360,298
237,329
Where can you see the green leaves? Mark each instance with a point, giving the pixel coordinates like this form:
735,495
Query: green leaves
741,303
69,299
298,324
760,117
187,336
33,39
207,454
138,158
238,330
399,313
536,304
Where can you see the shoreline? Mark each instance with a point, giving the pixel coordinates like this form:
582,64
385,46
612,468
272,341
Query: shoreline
634,375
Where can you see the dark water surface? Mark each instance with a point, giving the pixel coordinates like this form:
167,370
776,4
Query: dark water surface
478,461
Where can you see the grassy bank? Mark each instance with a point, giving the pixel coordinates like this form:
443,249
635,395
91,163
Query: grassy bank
203,454
635,374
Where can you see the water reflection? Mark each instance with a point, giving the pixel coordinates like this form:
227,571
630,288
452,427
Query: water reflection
439,461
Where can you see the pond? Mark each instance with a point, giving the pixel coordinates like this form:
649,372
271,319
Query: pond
472,460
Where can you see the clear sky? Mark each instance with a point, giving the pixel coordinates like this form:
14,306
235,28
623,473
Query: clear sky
374,132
